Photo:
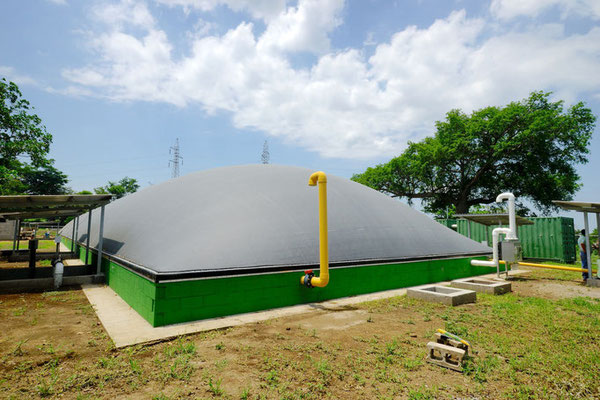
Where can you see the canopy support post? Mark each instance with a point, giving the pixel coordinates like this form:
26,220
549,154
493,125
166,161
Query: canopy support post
100,242
87,244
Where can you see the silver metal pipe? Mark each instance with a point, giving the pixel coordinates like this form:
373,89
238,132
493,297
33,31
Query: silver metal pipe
100,242
15,235
18,233
75,249
588,249
73,235
87,244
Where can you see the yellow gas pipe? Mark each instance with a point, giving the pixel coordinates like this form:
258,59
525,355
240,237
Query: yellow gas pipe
323,279
526,264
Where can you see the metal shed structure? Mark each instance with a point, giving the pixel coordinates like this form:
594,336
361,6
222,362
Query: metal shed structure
237,239
19,208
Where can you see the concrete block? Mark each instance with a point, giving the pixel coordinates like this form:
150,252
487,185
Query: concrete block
445,356
443,294
443,339
483,285
593,282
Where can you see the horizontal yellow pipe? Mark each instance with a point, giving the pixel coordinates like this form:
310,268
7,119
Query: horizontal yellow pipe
526,264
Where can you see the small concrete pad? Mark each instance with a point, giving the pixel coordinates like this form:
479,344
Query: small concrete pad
442,294
482,285
593,282
73,262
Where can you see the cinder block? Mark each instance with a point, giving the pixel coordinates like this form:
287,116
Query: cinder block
483,285
445,356
443,294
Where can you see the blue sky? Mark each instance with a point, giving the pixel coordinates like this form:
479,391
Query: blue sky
331,84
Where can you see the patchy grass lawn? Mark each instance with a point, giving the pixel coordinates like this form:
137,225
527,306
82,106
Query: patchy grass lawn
53,346
24,245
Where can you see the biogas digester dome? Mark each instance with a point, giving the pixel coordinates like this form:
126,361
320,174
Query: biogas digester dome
236,239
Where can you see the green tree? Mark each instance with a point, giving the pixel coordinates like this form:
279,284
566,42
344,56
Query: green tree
119,189
23,135
44,180
529,147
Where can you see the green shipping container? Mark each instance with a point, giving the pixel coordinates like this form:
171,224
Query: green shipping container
447,222
473,230
551,239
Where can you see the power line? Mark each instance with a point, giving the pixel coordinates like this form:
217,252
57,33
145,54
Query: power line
154,156
174,162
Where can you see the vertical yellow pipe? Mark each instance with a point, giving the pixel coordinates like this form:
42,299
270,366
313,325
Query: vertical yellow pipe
321,179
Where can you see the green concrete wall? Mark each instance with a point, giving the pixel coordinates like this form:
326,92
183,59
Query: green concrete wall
174,302
137,291
208,298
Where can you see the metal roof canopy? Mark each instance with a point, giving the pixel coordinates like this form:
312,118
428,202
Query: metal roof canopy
493,219
13,207
48,206
585,207
581,206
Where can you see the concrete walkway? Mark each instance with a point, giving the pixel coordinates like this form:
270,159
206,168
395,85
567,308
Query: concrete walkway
126,327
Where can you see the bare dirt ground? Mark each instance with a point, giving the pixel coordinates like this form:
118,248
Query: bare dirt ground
551,284
535,343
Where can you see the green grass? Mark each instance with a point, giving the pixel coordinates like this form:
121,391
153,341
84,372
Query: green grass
523,347
544,348
24,245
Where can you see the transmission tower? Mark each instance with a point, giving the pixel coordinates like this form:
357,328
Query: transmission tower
174,162
266,156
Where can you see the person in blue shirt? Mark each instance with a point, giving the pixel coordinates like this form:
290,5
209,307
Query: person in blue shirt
583,254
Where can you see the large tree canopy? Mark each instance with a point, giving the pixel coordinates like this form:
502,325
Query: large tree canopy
529,148
23,135
21,132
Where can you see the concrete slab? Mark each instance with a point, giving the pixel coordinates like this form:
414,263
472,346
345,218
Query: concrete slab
482,285
126,327
73,262
443,294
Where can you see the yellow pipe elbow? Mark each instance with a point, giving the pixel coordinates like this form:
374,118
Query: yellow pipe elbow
323,279
319,177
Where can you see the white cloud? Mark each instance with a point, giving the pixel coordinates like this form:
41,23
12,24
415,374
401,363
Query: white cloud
124,13
303,28
59,2
11,75
261,9
344,105
507,9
